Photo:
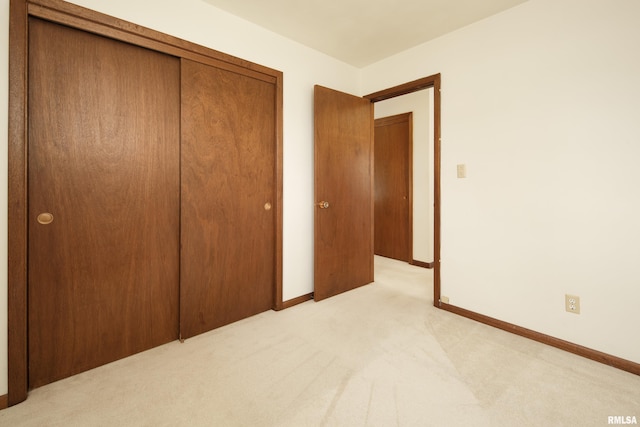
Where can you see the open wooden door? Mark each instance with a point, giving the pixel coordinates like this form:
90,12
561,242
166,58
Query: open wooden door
343,191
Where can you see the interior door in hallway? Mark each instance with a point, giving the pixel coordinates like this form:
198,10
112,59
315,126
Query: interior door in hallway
343,191
103,200
228,181
393,171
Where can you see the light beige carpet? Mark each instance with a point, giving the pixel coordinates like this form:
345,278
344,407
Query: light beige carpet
380,355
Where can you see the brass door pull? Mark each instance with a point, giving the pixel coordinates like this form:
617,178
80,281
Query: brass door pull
45,218
323,205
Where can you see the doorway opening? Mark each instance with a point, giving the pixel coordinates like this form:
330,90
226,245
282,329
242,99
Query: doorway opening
430,82
393,178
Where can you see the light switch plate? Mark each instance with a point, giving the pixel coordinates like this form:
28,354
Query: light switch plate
462,171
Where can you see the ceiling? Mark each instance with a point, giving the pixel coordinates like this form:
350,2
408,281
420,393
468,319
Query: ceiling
361,32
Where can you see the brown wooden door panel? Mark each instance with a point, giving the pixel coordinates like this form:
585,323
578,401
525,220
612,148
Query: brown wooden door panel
393,197
104,160
228,173
343,178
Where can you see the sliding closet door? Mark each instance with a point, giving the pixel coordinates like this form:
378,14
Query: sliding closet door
227,197
104,120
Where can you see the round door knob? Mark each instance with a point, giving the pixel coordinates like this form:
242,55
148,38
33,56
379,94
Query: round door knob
323,205
45,218
267,206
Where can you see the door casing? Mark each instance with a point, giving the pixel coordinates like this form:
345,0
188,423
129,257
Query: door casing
433,81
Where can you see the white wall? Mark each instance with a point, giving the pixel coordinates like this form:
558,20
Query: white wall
542,104
199,22
418,104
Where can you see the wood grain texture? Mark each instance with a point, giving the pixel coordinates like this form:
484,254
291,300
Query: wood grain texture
344,178
17,204
81,18
103,159
228,175
393,187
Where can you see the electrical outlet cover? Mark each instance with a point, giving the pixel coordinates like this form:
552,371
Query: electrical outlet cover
572,304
